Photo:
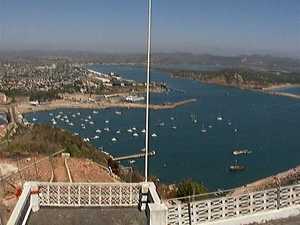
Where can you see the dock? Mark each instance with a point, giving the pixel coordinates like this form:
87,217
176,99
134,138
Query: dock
133,156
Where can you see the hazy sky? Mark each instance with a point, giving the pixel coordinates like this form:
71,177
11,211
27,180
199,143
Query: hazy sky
199,26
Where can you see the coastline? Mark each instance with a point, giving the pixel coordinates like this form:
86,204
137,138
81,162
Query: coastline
271,90
58,104
280,179
280,86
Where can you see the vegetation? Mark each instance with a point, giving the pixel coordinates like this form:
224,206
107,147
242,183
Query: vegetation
244,78
43,139
189,187
43,96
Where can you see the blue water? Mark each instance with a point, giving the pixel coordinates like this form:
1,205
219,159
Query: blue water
268,125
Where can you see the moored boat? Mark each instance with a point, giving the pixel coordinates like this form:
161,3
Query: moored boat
241,152
236,167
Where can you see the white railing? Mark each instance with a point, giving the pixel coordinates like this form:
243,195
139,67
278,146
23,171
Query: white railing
22,208
197,212
89,194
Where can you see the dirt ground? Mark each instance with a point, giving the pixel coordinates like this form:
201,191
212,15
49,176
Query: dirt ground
40,169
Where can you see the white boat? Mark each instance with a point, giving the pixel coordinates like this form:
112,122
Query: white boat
143,131
96,137
57,117
118,113
73,115
133,128
219,118
86,139
86,120
129,130
203,130
61,113
229,123
241,152
83,127
67,121
114,139
235,130
95,112
91,122
118,131
76,134
71,124
34,119
174,127
132,161
135,134
172,118
195,121
89,117
162,124
54,122
65,117
154,135
50,114
98,131
78,113
210,126
106,129
106,121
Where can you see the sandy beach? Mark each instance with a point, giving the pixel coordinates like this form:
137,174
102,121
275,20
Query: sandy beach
26,107
276,87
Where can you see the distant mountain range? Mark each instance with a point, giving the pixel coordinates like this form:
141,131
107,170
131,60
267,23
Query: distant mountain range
257,62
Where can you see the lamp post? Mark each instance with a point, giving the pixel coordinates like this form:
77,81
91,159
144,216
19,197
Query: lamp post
148,87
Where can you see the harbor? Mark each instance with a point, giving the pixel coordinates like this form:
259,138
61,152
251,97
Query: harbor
198,136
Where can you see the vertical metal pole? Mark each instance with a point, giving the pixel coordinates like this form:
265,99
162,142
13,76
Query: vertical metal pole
148,84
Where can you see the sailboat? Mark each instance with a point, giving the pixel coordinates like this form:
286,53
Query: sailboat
194,118
236,167
203,130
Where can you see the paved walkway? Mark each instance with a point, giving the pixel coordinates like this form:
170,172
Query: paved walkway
88,216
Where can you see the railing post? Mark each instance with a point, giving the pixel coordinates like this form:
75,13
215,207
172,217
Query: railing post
291,198
209,210
144,196
179,214
79,195
237,205
251,203
190,213
89,194
34,197
278,197
223,208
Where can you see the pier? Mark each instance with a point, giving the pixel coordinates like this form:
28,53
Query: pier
133,156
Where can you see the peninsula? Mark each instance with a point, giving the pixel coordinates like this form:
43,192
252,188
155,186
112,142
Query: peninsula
25,107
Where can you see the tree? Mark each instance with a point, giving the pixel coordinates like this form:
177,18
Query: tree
189,187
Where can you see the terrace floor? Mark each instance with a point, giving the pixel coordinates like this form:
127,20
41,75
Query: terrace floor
288,221
87,216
